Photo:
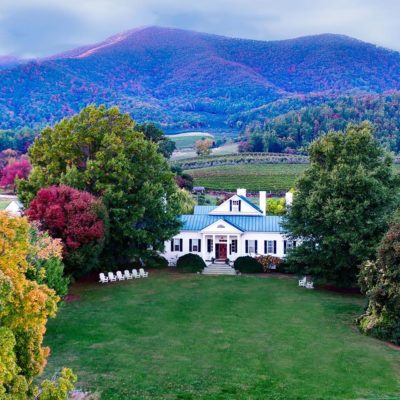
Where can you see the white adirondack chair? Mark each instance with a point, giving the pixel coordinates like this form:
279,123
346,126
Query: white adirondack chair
310,285
111,277
135,274
303,282
127,275
103,278
143,274
120,277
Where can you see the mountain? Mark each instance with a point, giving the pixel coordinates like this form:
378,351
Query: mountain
184,79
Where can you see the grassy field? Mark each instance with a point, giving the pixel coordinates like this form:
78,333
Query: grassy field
175,336
270,177
188,139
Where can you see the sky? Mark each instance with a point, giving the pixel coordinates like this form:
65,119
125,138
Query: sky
36,28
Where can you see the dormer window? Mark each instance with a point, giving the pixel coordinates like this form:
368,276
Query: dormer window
236,205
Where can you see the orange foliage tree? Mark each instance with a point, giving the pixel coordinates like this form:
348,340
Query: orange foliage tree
25,307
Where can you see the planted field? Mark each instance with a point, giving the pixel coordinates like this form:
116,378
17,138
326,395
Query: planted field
177,336
270,177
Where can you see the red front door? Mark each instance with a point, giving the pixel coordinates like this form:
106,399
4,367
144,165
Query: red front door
221,251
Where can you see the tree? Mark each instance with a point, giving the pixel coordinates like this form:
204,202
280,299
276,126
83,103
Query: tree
380,281
99,151
276,206
341,205
45,258
203,147
156,135
17,170
25,307
73,216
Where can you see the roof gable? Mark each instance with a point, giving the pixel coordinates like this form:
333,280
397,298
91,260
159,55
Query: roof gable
247,207
221,226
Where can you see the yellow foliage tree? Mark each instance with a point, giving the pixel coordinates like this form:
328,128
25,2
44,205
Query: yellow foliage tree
25,307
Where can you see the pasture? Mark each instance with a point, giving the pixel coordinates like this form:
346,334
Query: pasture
186,336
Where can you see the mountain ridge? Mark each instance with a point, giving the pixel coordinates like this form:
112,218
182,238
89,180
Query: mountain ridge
184,79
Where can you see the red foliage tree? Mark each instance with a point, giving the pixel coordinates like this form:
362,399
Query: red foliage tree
19,169
71,215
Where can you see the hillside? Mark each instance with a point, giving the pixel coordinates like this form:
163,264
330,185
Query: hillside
183,79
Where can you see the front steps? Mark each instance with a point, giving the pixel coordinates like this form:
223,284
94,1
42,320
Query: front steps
218,269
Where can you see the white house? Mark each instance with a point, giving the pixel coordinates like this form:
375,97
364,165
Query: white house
233,229
15,208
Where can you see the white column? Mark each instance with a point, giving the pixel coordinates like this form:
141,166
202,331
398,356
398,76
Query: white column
239,241
227,245
214,256
203,246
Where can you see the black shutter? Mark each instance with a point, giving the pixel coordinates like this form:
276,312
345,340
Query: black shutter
172,244
190,245
230,205
247,246
181,245
274,246
255,245
209,246
265,247
284,247
199,242
294,243
230,248
240,205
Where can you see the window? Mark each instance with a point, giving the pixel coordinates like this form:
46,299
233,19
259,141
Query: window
177,245
209,245
195,245
251,246
288,244
269,246
235,205
233,246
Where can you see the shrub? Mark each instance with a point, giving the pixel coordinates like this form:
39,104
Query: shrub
190,263
156,261
269,262
248,264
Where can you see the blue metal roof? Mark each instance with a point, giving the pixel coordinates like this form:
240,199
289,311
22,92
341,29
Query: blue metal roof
203,209
245,223
250,203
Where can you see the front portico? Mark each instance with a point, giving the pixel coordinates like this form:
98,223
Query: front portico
221,240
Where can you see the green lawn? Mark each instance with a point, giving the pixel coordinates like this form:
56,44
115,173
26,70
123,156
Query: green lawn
188,139
271,177
177,336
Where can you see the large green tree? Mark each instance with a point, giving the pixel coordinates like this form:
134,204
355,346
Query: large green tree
99,150
341,205
151,132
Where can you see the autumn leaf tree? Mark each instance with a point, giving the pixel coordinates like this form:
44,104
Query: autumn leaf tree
77,218
25,307
203,147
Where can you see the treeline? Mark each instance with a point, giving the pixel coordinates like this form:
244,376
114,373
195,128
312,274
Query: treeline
295,130
19,140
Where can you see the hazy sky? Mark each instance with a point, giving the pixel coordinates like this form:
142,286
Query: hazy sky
42,27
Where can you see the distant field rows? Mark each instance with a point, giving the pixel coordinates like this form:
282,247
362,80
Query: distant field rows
269,177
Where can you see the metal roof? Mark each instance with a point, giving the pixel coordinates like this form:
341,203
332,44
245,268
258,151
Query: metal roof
250,203
245,223
203,209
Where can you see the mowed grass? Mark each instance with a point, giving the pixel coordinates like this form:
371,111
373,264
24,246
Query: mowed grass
175,336
271,177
